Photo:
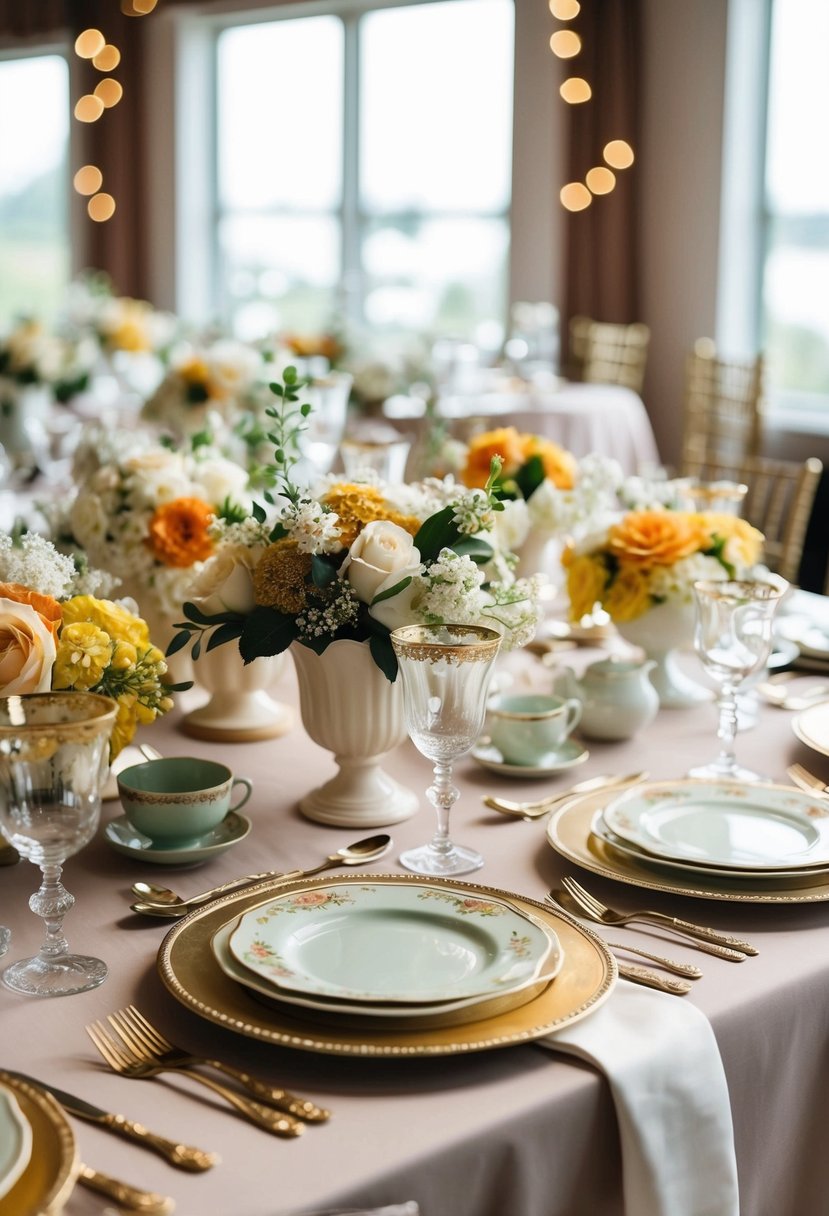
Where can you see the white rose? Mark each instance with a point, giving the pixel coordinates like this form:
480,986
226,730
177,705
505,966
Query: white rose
512,525
88,521
381,549
158,476
27,650
218,479
398,609
225,582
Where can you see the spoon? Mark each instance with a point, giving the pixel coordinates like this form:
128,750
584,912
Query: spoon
534,810
161,901
149,752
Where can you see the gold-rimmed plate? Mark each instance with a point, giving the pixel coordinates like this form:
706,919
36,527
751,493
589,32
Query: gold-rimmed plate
812,727
570,833
190,972
49,1177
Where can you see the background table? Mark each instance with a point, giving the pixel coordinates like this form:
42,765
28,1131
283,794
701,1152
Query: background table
511,1132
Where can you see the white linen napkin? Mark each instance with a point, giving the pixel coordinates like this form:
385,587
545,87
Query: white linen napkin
663,1065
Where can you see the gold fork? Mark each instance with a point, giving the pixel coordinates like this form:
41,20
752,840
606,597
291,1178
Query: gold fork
129,1061
707,940
152,1041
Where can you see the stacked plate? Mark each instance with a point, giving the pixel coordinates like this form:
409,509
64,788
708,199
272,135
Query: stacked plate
724,830
38,1160
392,955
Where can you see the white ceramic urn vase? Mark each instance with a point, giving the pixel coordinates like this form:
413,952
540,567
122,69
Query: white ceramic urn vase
662,632
350,708
240,708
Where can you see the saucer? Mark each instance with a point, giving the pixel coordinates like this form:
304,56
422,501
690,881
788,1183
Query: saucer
568,755
125,839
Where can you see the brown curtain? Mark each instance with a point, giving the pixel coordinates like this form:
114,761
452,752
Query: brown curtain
601,255
35,18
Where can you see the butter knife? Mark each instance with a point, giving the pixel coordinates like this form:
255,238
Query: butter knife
182,1156
129,1198
643,975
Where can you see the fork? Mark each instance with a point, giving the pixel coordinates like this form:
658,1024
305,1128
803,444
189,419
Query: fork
807,781
707,940
152,1041
128,1061
560,899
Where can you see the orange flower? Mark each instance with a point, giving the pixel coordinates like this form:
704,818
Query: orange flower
47,608
560,466
657,538
178,532
355,506
504,442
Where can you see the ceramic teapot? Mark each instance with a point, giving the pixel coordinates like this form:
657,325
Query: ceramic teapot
617,697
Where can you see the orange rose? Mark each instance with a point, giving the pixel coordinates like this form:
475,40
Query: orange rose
657,538
505,442
560,466
47,608
178,532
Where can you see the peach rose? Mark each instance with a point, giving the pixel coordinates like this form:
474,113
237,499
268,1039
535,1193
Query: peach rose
560,466
504,442
657,538
27,647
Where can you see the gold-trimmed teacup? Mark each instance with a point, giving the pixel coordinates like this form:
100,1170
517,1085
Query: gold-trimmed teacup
177,799
527,728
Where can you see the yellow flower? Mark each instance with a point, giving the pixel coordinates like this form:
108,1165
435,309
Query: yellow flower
118,622
194,371
124,655
355,506
560,466
651,538
586,580
279,580
84,652
628,595
743,543
505,442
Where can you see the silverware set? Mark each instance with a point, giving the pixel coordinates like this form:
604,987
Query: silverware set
542,807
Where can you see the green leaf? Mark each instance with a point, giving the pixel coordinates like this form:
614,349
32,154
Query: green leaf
395,590
184,686
225,633
322,572
530,476
383,654
178,642
196,651
266,632
474,547
258,512
436,533
277,389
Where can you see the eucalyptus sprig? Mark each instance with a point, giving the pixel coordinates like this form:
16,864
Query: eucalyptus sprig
290,420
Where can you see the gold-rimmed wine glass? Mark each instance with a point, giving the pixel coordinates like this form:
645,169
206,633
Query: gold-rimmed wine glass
445,670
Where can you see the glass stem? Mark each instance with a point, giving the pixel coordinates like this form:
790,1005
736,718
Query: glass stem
727,729
443,795
52,901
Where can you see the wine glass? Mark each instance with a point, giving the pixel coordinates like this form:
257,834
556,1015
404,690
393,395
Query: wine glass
445,671
54,759
733,636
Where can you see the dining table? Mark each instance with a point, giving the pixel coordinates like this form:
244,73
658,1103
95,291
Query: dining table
509,1130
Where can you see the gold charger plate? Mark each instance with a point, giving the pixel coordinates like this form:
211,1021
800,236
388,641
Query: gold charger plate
190,972
812,727
48,1180
569,833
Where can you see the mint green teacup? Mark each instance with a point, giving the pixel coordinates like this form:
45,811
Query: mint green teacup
176,800
528,728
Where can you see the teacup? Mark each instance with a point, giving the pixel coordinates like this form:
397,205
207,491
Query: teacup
527,728
177,799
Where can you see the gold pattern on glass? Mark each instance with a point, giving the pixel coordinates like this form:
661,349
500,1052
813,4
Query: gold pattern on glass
575,196
107,59
565,44
565,10
90,43
88,108
575,89
109,92
618,154
88,179
101,207
600,180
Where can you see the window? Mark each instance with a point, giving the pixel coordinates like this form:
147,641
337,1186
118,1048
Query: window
795,300
363,168
34,207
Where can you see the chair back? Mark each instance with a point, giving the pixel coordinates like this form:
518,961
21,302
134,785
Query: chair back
607,353
778,501
723,407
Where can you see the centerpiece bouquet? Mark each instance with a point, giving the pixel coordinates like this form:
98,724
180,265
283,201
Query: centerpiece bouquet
211,385
57,632
353,562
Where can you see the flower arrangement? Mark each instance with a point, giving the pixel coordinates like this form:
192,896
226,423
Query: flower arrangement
526,462
55,634
354,562
204,384
651,556
31,355
147,516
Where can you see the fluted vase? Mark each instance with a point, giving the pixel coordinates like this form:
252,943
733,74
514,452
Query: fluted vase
350,708
240,708
663,632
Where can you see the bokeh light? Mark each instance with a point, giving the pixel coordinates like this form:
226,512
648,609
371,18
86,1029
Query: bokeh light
109,91
107,59
618,154
88,179
89,43
575,196
600,180
88,108
565,10
101,207
575,90
565,44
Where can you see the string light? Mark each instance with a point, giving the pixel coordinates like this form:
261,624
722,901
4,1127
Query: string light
101,207
88,108
109,92
565,44
565,10
575,90
89,43
575,196
618,153
88,179
108,59
600,180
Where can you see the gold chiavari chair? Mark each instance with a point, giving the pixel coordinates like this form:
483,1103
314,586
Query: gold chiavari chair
723,413
607,353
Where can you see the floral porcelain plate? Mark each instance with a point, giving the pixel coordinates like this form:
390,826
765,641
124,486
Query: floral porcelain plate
568,755
396,1014
406,943
755,827
15,1140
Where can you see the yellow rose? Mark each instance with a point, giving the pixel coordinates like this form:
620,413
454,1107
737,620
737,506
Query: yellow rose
117,621
84,652
628,596
27,649
743,543
586,579
657,538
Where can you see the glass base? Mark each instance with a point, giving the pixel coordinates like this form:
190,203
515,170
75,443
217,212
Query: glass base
61,977
426,860
723,772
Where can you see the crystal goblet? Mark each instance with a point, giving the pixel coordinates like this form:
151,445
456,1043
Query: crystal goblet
445,671
733,637
54,759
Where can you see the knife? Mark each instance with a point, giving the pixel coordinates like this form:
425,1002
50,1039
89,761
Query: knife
182,1156
644,975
